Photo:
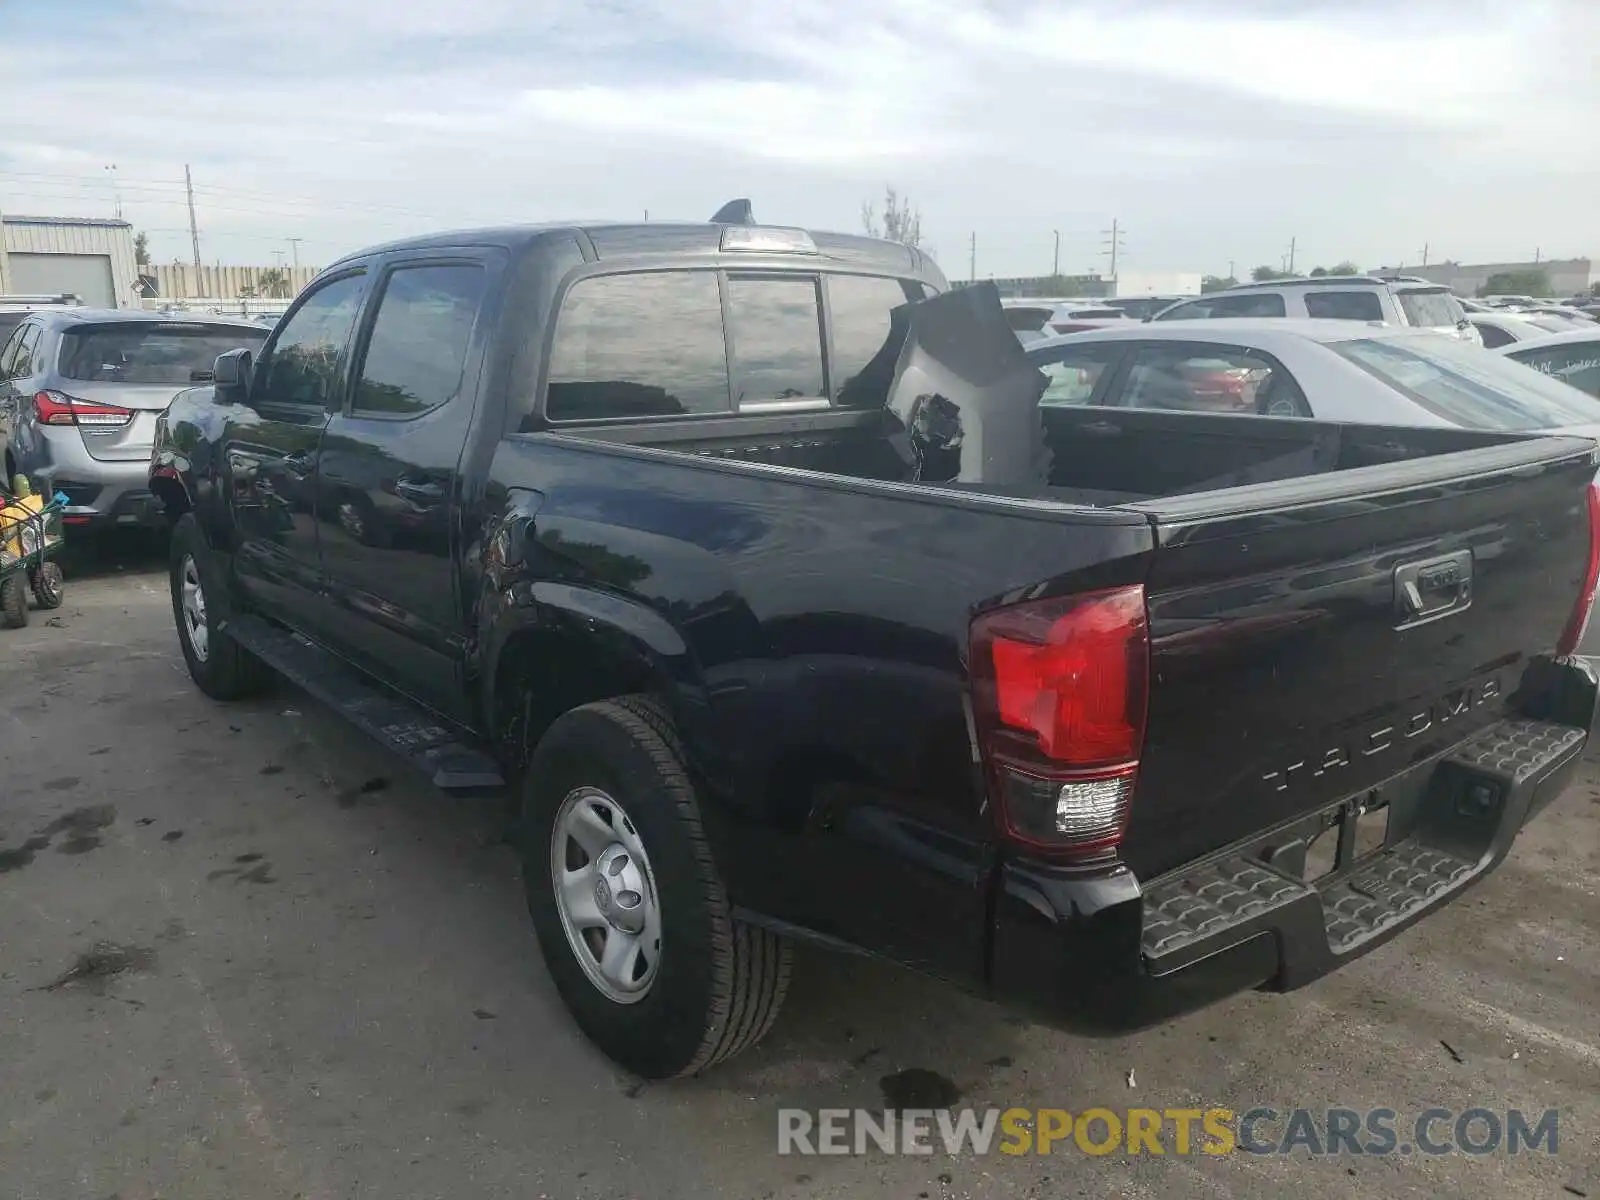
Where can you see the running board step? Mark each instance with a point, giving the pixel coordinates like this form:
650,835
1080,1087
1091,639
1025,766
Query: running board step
398,726
1387,890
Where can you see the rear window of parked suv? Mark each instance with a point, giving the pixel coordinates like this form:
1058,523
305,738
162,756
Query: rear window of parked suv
146,353
1435,308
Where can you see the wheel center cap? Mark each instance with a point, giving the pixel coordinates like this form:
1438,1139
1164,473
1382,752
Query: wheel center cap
619,889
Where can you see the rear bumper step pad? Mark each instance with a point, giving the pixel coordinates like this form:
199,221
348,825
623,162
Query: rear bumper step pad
1232,899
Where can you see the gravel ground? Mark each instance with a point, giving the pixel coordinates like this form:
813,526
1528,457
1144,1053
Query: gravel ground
245,954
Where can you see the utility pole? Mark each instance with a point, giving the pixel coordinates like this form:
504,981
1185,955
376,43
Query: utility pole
194,230
1231,275
116,196
1536,253
294,246
1291,256
1425,253
1113,245
972,257
1055,259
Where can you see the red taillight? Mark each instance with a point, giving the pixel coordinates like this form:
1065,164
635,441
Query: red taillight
1578,622
1059,693
57,408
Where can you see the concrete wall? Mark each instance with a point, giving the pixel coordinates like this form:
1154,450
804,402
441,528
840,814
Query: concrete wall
112,240
1567,276
180,280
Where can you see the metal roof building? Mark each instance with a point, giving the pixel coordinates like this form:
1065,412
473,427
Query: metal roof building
90,257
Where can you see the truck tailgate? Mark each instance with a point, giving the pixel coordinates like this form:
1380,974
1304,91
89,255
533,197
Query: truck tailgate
1315,637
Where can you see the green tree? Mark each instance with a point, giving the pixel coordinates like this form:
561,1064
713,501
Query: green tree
1264,274
1344,267
1216,283
1516,283
1318,272
273,283
899,221
141,248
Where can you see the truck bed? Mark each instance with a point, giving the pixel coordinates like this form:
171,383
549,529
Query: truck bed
1097,456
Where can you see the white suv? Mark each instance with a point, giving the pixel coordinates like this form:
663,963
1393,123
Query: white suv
1338,297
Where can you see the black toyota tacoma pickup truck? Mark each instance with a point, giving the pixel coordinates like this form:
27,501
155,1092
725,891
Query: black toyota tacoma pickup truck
749,564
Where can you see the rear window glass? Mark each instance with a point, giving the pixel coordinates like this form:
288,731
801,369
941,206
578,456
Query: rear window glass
1344,306
175,355
777,338
8,323
1431,308
1467,386
639,345
866,337
1575,363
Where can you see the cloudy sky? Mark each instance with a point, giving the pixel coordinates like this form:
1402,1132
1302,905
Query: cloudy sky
1212,130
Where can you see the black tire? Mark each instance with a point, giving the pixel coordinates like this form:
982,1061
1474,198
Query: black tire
14,601
720,982
49,587
223,669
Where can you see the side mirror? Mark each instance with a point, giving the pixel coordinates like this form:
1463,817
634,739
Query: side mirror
231,376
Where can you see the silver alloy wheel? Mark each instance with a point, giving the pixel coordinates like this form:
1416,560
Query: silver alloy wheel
606,895
193,603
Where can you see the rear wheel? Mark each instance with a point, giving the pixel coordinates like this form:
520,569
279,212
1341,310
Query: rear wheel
629,909
220,666
14,601
49,588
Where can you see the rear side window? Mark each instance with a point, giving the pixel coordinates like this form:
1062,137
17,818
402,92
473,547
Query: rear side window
23,365
1492,335
1577,363
1344,306
867,335
1217,379
1073,372
174,355
1434,308
776,325
418,348
8,353
648,344
1026,320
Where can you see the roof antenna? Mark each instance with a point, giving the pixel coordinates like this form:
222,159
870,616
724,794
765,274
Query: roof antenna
734,212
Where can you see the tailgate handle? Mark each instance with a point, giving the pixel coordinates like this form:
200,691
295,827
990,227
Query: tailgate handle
1432,588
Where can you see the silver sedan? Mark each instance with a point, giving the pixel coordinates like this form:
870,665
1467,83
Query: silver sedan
1331,370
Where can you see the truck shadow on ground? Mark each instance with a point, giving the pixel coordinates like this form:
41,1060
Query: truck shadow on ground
86,556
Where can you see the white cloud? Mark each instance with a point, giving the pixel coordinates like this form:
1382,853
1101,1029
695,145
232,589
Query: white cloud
1215,129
